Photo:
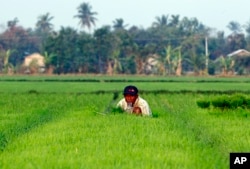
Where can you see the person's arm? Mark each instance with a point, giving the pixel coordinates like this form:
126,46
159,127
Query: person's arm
145,109
137,111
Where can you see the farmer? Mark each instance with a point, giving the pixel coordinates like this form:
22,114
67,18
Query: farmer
133,103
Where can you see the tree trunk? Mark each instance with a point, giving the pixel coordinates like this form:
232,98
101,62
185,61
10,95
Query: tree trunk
110,68
179,68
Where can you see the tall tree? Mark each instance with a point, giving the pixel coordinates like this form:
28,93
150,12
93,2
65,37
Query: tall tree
12,23
118,24
174,21
64,50
235,27
104,39
44,23
217,46
44,28
161,21
247,29
86,16
86,60
236,41
20,41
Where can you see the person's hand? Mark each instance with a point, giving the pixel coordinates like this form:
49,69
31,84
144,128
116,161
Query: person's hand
137,111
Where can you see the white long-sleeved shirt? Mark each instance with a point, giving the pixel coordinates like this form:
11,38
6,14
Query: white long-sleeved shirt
140,102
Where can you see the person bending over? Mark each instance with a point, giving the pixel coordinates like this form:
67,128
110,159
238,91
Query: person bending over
133,103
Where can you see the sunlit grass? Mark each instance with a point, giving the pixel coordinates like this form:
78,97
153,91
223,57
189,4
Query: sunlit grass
65,129
123,141
88,83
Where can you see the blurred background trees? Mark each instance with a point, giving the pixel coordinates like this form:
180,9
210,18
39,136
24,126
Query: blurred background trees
172,42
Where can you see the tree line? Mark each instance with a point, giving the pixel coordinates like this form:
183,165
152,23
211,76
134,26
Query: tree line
170,46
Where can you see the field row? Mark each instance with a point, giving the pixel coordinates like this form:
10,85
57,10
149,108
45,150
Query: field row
123,78
150,87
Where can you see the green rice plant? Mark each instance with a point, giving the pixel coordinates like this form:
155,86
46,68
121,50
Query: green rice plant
247,102
237,100
58,127
122,78
221,102
100,84
203,103
115,110
3,141
76,137
230,101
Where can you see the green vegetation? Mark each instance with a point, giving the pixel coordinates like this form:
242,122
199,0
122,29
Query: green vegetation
100,84
171,45
226,102
61,125
203,103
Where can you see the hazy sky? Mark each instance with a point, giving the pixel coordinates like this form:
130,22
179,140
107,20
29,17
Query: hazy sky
213,13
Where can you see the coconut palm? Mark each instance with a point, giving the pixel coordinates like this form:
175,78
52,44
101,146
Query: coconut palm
234,26
174,21
161,21
119,24
85,15
12,23
43,24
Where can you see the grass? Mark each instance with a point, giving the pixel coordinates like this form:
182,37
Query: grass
122,78
61,129
88,141
146,87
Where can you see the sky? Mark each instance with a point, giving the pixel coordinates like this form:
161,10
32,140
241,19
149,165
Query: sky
142,13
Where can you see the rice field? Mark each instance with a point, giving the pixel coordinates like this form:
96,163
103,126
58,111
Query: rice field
57,124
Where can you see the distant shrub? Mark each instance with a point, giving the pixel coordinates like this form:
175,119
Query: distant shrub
203,103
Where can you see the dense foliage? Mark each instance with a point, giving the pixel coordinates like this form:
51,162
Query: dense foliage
172,45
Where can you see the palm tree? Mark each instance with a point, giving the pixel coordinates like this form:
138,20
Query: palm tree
175,19
85,15
12,23
161,21
235,27
119,24
43,24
